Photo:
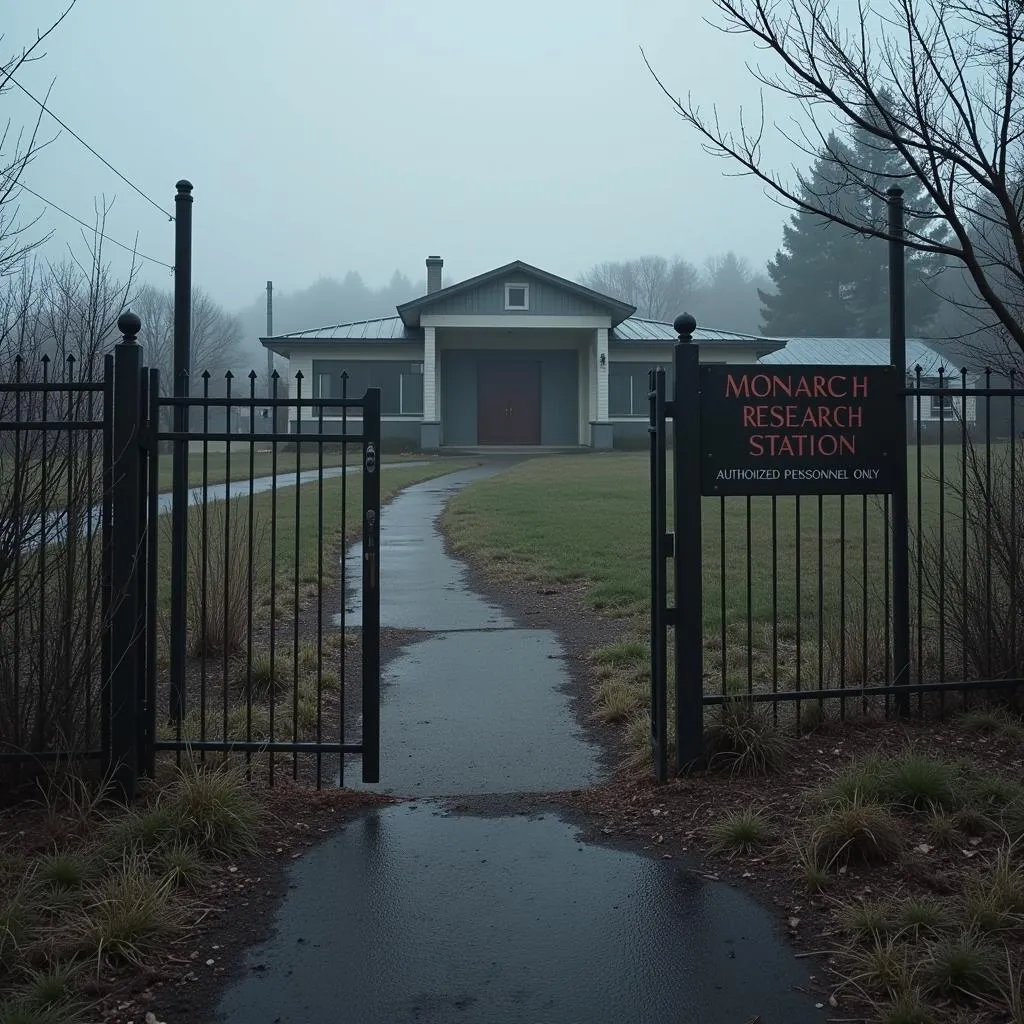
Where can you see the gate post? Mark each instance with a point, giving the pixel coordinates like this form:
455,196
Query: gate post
126,560
371,586
688,578
659,577
181,422
900,498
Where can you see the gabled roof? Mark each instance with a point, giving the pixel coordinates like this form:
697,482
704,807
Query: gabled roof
410,311
860,352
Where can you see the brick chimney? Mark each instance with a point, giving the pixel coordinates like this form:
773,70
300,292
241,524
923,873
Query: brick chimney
434,265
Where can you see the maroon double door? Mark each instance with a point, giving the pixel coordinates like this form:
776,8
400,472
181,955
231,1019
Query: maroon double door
508,402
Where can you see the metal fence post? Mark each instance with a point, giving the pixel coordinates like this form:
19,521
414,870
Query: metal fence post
900,498
659,576
688,579
179,481
371,586
126,560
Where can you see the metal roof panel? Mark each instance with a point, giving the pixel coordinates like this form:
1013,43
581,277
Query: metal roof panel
858,352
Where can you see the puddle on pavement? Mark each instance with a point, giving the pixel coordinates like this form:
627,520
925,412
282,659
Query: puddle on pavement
410,914
479,712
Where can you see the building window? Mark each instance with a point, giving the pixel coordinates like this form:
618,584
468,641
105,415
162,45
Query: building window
400,383
517,296
943,407
628,388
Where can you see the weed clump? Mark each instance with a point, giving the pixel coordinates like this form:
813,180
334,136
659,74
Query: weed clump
745,739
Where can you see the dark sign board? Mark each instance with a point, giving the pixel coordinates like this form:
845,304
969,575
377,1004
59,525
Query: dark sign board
799,429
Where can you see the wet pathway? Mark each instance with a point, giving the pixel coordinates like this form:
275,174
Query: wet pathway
479,706
416,913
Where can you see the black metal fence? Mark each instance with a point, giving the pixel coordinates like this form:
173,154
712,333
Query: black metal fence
186,590
56,445
800,598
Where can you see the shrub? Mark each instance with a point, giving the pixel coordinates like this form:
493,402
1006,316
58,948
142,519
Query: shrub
920,782
21,1009
921,915
221,564
857,831
739,832
962,963
261,679
884,965
909,1007
984,720
213,809
816,871
132,832
128,917
983,629
988,792
617,700
941,830
973,821
994,900
50,651
19,915
868,922
745,738
65,870
862,780
181,865
52,986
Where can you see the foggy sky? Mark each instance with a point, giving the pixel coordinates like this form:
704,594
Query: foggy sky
329,135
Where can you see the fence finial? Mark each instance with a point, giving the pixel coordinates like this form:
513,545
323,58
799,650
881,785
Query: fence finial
129,324
684,326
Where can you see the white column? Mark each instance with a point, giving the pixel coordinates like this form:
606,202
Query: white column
429,375
602,375
592,375
583,392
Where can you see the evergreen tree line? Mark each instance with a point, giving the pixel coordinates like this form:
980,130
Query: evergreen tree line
830,281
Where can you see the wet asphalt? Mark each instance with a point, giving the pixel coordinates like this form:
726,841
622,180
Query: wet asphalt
419,912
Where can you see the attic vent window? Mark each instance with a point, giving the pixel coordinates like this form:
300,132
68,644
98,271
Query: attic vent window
517,296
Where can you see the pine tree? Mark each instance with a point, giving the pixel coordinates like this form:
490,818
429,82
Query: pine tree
878,168
811,272
834,282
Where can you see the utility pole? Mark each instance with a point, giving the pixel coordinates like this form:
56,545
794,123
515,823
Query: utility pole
270,334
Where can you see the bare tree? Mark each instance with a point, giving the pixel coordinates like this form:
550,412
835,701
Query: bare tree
216,334
56,321
18,147
659,288
936,81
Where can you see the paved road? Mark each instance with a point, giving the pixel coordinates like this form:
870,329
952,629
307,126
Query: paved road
417,913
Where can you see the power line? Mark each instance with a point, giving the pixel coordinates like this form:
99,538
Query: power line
105,162
88,227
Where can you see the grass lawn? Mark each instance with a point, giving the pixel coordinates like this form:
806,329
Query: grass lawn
795,590
218,470
292,528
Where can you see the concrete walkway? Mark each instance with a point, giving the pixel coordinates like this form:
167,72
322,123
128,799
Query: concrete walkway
416,913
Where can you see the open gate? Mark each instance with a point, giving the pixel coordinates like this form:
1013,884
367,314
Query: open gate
236,624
